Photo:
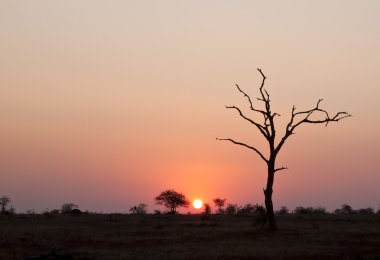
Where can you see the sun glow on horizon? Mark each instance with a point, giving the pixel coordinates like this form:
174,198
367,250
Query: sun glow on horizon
197,204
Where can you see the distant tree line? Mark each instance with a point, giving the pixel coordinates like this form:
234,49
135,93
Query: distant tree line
171,200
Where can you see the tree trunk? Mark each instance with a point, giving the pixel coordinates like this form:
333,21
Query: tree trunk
268,197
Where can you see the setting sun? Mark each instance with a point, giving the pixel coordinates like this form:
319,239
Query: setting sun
197,204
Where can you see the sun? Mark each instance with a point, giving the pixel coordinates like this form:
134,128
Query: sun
197,204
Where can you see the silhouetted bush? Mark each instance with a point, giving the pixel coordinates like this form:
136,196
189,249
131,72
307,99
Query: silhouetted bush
246,210
310,211
260,216
231,209
319,211
283,211
54,211
157,212
30,212
68,207
139,209
75,212
345,209
368,211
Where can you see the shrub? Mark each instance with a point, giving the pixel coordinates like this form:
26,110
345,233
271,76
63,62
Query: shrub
260,216
139,209
303,211
231,209
319,211
68,207
54,211
283,211
366,211
246,210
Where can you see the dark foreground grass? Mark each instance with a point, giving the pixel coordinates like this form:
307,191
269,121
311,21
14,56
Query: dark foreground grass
91,236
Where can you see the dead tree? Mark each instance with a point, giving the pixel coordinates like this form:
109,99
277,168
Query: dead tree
267,128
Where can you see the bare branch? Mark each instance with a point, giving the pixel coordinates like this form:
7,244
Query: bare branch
249,100
263,97
280,169
291,126
262,128
246,145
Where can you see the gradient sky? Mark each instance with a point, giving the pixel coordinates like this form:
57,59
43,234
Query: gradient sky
107,103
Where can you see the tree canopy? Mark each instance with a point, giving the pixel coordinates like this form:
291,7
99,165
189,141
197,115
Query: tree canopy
172,200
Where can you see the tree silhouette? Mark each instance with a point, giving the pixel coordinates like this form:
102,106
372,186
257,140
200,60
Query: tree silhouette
4,202
172,200
219,203
267,128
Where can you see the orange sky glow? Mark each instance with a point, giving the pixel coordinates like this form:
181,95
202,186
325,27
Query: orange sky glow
107,103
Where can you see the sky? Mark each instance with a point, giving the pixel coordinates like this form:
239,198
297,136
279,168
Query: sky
107,103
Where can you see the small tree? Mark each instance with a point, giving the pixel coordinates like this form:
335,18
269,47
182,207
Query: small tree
139,209
206,214
219,203
4,202
68,207
172,200
267,127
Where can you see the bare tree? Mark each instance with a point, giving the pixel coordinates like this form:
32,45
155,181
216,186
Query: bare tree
267,128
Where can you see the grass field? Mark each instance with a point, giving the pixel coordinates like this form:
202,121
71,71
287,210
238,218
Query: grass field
92,236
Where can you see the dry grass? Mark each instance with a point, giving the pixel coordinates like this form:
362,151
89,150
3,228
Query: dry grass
90,236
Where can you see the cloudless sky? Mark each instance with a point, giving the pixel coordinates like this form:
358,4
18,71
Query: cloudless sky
107,103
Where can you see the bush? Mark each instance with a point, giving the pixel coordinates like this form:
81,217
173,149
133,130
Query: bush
139,209
319,211
260,216
68,207
231,209
366,211
246,210
310,211
303,211
283,211
54,211
30,212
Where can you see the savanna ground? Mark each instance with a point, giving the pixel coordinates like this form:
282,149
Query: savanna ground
97,236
